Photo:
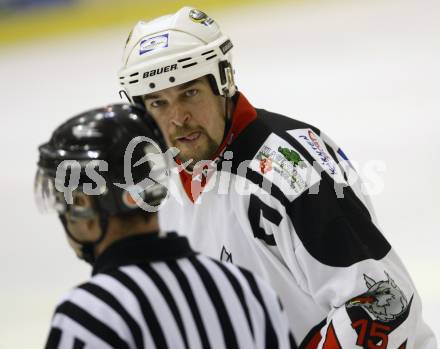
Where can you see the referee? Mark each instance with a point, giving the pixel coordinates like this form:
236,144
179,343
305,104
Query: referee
148,288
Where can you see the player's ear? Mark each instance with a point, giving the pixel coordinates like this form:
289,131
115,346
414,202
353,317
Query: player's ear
81,200
87,201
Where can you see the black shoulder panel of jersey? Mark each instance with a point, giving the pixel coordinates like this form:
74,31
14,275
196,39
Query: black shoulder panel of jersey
279,124
336,231
254,135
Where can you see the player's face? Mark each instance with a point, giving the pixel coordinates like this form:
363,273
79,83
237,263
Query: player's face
191,118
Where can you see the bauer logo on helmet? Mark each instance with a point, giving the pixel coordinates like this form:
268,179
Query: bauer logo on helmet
160,70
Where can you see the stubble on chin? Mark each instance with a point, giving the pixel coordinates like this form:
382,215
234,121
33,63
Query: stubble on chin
204,152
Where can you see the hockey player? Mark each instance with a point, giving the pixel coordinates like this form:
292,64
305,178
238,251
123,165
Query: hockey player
276,195
149,289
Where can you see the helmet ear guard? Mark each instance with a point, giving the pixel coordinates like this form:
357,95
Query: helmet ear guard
227,78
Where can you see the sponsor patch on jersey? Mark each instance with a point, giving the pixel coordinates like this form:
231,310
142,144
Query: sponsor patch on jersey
316,147
154,43
284,166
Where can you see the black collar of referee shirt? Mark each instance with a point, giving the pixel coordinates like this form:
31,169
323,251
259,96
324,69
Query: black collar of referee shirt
142,248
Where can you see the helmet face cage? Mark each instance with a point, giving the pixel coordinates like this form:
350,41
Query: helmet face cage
49,199
175,49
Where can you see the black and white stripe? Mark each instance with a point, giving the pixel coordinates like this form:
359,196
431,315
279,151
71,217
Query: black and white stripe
193,302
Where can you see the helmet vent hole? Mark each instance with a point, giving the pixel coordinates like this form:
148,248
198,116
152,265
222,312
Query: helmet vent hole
134,74
152,85
172,79
207,52
210,57
189,65
133,82
183,59
122,77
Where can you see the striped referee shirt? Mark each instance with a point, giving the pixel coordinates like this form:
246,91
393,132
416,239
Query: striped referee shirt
148,291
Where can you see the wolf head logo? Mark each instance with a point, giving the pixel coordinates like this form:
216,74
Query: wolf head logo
384,299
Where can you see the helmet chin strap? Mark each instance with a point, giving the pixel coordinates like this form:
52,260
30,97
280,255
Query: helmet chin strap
88,248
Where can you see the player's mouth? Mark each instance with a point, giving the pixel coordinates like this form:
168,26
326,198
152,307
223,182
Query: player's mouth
189,138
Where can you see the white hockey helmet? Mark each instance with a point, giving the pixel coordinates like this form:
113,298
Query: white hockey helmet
174,49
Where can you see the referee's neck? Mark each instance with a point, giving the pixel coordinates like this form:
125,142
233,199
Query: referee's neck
120,228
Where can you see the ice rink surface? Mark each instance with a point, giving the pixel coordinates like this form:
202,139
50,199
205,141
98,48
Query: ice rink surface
365,72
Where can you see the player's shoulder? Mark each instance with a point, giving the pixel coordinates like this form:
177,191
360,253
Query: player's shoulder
267,127
279,123
284,157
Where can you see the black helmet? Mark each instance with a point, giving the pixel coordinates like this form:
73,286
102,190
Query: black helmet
99,153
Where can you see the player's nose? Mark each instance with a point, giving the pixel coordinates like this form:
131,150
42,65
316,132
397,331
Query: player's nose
179,115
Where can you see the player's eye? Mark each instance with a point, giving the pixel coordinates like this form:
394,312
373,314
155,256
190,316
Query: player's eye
157,103
191,93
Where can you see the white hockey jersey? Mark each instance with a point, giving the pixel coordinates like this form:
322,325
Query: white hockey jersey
276,200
